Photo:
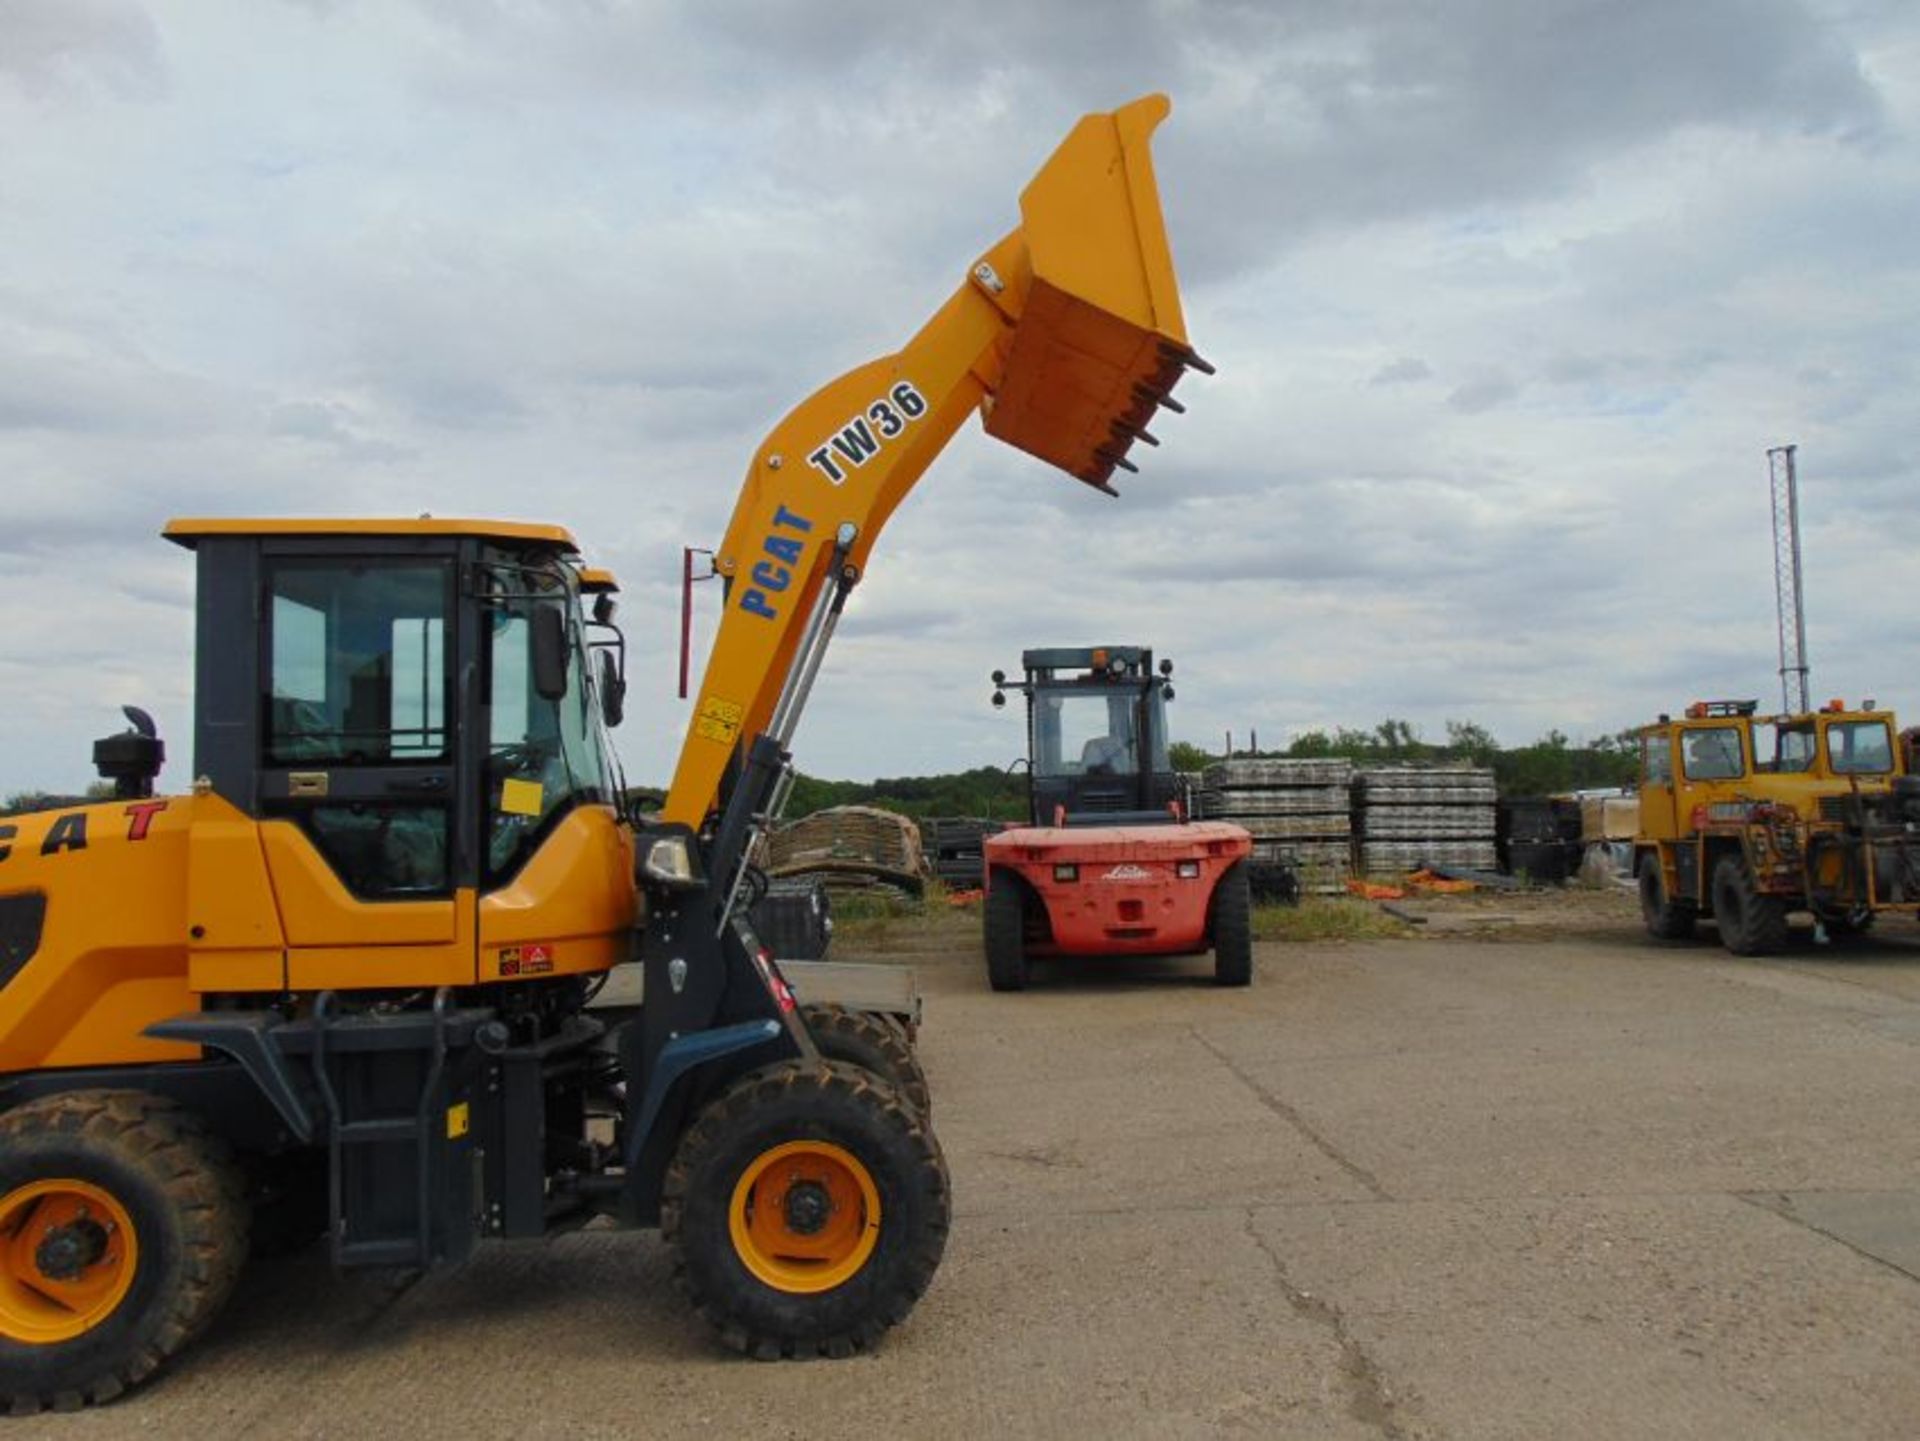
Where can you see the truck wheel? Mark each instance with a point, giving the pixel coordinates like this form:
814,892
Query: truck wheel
874,1044
1006,931
1230,923
123,1226
1667,919
808,1209
1751,924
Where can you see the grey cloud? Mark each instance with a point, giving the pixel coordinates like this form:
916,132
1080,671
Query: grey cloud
1406,369
55,46
1482,393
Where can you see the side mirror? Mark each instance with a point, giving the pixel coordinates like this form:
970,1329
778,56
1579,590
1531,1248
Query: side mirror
613,691
603,608
1166,692
1166,667
999,677
999,698
549,652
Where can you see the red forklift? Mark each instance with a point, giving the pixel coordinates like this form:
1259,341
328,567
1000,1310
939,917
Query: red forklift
1111,863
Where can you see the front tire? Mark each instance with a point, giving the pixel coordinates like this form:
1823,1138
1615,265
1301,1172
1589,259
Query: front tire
1006,935
1667,919
808,1209
1751,923
1230,923
874,1044
123,1227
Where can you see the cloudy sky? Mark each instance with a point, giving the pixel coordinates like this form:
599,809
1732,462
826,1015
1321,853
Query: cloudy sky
1508,300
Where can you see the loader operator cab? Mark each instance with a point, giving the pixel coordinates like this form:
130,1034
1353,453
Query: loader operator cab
416,696
1097,734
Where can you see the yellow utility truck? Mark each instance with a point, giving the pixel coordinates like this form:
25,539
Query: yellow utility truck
1744,819
343,983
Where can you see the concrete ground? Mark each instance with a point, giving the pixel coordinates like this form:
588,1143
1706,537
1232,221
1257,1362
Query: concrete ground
1430,1188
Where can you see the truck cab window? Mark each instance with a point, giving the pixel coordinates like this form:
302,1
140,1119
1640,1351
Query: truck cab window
1656,758
1713,754
1859,748
1795,749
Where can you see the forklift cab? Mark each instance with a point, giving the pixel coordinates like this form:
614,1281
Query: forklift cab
1096,735
407,710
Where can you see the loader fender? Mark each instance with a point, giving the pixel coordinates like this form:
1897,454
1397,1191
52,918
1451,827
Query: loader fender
665,1102
244,1035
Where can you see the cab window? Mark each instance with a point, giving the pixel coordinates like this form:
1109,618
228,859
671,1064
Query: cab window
1656,758
358,664
1712,753
1089,733
543,756
1859,748
1796,749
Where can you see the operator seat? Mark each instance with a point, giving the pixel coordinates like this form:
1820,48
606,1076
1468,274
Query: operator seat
1103,755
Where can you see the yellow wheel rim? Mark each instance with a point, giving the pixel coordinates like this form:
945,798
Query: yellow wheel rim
805,1217
68,1254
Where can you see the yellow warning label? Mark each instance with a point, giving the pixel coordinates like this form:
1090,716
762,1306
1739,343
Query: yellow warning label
718,720
521,798
459,1120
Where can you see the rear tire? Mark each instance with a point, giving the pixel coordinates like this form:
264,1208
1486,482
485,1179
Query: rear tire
808,1210
1230,923
1751,924
874,1044
1666,918
142,1219
1006,935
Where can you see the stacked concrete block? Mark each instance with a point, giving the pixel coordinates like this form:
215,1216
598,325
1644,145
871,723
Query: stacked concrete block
1298,812
1407,816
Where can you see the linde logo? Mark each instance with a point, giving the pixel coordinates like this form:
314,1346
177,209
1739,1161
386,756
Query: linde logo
1128,873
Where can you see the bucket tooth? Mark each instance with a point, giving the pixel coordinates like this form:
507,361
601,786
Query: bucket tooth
1185,357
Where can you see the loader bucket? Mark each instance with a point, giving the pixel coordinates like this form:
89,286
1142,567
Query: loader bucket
1100,339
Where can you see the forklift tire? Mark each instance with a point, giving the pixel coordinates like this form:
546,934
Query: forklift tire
1230,924
125,1226
1006,935
808,1209
873,1043
1667,920
1751,924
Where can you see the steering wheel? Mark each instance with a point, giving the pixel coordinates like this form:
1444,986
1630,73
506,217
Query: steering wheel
517,758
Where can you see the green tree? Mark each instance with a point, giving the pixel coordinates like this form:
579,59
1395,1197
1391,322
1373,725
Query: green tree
1311,745
1467,741
1186,756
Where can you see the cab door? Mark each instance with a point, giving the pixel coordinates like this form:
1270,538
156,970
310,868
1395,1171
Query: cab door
358,789
1658,811
557,895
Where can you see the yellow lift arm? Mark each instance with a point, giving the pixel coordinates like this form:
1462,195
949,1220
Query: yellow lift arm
1067,336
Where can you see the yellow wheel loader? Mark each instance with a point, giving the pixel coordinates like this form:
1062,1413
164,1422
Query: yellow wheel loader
342,984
